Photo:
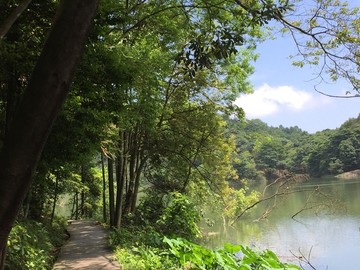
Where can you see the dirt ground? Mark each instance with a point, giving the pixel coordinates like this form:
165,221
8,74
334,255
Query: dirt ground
87,248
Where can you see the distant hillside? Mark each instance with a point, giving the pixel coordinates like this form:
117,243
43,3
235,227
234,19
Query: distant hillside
263,151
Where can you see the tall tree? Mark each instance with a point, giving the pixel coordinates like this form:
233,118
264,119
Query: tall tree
42,100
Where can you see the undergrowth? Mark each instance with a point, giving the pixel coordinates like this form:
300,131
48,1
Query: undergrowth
160,242
145,250
33,245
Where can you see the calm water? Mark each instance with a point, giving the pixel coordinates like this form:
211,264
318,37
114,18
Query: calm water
327,233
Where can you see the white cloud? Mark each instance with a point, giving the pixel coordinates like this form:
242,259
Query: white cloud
268,100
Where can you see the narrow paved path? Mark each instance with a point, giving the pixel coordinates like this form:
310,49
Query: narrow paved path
87,248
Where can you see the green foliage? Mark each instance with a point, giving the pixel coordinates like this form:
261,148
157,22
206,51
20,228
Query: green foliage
145,258
135,251
264,150
180,217
138,247
173,214
31,245
193,256
135,236
155,244
263,260
237,201
329,38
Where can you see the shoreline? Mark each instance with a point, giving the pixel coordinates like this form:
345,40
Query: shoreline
349,175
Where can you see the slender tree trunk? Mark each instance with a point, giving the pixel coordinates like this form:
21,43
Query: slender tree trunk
111,191
120,181
136,164
73,207
41,103
55,199
82,195
26,204
76,205
11,19
132,173
140,167
104,187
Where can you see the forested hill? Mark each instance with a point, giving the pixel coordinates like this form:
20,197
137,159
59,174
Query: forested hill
263,151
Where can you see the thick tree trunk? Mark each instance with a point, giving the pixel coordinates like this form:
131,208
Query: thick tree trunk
42,100
2,258
12,97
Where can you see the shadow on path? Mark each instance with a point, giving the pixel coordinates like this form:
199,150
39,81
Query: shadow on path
87,248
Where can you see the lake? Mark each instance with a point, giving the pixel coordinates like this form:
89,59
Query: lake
326,231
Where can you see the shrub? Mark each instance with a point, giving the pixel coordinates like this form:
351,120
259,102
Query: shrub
230,257
31,245
173,215
135,236
145,258
179,217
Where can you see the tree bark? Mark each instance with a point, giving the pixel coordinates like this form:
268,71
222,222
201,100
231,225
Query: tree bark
103,186
11,19
140,167
111,192
55,199
120,184
42,100
76,206
82,194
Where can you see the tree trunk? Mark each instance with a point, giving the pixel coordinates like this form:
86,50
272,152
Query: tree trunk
142,161
111,191
41,103
73,207
13,94
82,194
55,199
104,187
26,204
11,19
2,258
76,205
120,182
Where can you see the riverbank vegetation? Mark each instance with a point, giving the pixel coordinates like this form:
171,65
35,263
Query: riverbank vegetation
148,139
270,152
148,242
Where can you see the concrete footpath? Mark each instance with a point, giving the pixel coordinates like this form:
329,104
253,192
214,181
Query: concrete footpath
87,248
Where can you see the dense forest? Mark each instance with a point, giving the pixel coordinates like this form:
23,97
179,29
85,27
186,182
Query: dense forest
146,134
264,151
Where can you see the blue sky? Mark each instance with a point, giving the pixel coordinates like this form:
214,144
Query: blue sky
285,95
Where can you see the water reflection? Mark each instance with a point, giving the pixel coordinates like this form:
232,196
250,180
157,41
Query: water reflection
328,236
333,241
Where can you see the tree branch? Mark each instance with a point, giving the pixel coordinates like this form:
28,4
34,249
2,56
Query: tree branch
11,19
336,96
